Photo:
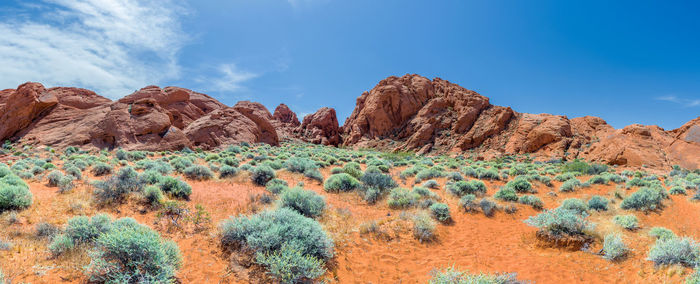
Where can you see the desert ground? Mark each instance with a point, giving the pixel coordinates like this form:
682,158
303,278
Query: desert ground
367,216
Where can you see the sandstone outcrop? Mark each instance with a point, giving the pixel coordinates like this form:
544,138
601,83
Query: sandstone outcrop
320,127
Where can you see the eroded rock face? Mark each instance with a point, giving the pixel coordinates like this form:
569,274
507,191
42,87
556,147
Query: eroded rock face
285,115
414,113
21,107
320,127
225,127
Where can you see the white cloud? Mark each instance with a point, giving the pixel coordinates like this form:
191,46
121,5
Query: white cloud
231,78
681,101
110,46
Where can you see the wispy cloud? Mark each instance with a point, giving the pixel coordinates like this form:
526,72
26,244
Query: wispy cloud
681,101
231,78
111,46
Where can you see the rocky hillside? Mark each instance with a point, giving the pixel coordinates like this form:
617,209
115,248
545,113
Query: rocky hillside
400,113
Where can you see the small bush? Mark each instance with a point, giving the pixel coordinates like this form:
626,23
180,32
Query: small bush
377,180
560,222
303,201
628,222
531,200
101,169
645,198
117,187
290,265
428,174
462,188
133,253
487,206
262,174
564,177
431,184
65,184
82,229
684,251
153,195
14,193
614,248
661,233
267,231
46,230
341,183
598,203
574,204
60,245
423,228
353,169
506,194
453,276
176,187
570,185
441,212
401,198
54,177
520,184
198,172
677,190
150,177
467,203
227,171
276,185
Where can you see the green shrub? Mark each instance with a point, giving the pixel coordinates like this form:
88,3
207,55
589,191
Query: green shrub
614,248
60,245
423,227
560,222
453,276
570,185
47,230
341,182
661,233
117,187
227,171
430,173
467,203
377,180
176,187
14,193
303,201
153,195
290,265
82,229
276,185
150,177
65,184
198,172
54,177
574,204
598,203
599,179
506,194
684,251
564,177
628,222
401,198
353,169
520,184
441,212
431,184
462,188
645,198
268,231
531,200
101,169
133,253
262,174
74,171
677,190
487,206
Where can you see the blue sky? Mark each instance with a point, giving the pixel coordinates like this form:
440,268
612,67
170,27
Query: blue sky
625,61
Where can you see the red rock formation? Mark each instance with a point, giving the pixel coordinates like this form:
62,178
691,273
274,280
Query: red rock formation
414,113
320,127
224,127
29,102
285,115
